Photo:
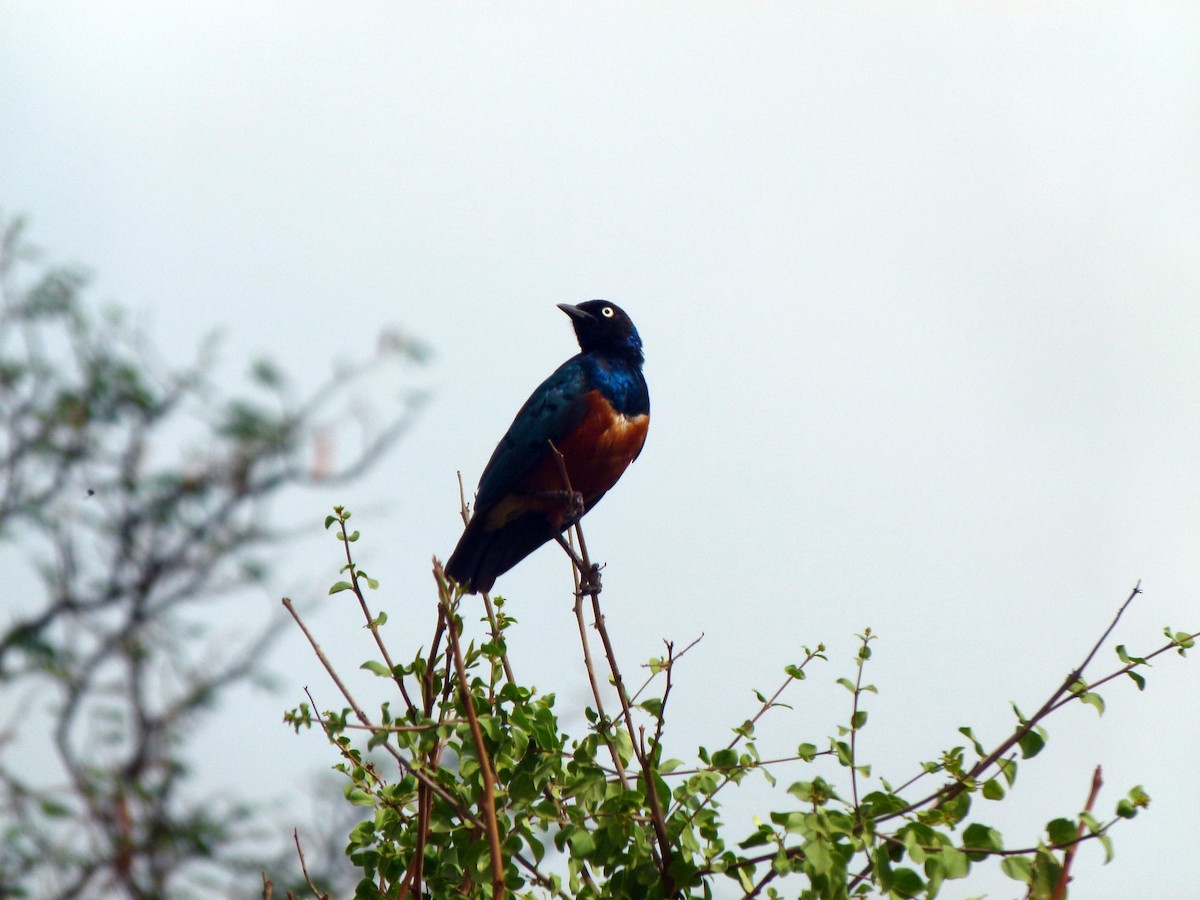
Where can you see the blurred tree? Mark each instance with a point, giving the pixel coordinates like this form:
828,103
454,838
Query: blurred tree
133,497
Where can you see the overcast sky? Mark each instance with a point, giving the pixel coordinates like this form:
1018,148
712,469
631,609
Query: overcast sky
920,291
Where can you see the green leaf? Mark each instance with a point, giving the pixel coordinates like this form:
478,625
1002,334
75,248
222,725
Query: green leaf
1137,679
957,809
1095,827
1181,639
725,758
993,790
329,520
1046,871
912,846
1137,799
906,883
1126,658
380,619
1031,744
844,756
883,866
340,586
956,863
1018,868
807,752
971,737
1093,699
582,843
982,838
54,809
858,720
847,684
1062,832
746,877
817,857
879,803
375,666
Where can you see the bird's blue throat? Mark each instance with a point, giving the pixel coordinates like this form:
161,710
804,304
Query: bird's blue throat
620,380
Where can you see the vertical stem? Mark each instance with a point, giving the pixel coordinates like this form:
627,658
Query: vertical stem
587,581
491,826
656,812
605,722
862,658
1064,875
496,636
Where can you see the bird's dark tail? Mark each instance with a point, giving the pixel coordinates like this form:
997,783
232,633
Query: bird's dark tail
482,556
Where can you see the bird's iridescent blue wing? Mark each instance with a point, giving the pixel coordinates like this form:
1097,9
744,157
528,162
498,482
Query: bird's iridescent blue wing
551,412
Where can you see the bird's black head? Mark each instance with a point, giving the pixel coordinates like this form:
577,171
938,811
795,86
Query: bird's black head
603,327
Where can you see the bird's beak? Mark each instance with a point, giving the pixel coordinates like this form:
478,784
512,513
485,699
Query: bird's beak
575,312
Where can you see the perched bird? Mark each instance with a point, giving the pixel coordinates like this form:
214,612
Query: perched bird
595,409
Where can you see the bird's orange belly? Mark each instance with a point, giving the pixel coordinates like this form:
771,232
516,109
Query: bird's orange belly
595,455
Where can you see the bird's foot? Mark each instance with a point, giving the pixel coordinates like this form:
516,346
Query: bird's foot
574,509
589,581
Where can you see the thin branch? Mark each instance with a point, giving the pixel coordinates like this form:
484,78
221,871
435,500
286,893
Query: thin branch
1064,876
1069,686
604,723
653,675
486,771
392,729
863,656
372,621
588,582
1171,645
809,656
660,719
656,811
317,892
497,635
422,777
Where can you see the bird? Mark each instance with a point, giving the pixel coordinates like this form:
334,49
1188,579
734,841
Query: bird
594,410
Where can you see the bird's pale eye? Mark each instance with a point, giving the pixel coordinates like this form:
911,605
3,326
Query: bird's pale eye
607,312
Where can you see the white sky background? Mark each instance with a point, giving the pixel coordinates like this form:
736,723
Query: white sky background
920,292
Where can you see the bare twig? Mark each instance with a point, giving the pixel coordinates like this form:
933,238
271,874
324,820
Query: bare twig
604,723
465,512
650,678
588,582
661,718
317,892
